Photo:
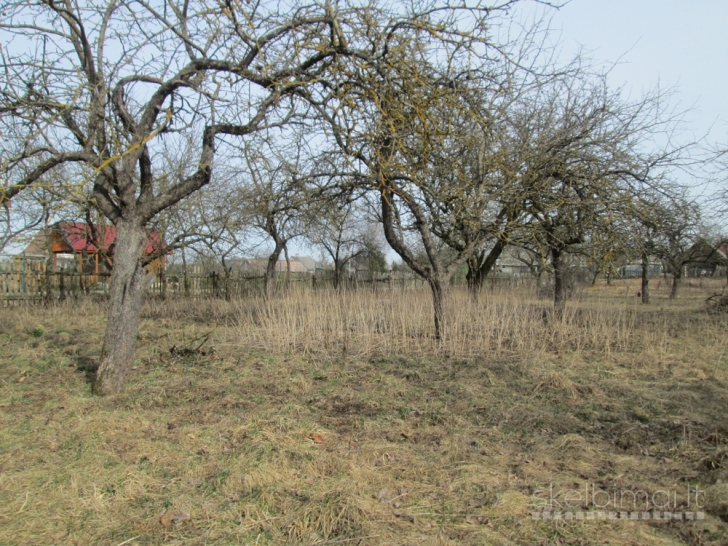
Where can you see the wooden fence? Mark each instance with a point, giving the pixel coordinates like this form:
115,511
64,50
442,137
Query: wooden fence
24,281
197,282
29,281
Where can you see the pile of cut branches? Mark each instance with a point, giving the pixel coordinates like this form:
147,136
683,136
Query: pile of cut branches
193,350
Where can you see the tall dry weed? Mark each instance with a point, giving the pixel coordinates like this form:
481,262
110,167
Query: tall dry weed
500,324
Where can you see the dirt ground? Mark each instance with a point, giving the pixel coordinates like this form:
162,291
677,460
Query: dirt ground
224,436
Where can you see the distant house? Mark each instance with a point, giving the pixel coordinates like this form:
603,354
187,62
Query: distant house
655,268
511,266
77,247
704,259
308,262
258,266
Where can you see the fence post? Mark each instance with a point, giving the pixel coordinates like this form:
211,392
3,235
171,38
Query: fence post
61,286
163,283
214,285
23,273
49,270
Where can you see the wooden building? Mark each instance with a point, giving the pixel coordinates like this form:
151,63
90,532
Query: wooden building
704,259
78,247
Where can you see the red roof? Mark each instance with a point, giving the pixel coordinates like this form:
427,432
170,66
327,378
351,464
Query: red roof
80,237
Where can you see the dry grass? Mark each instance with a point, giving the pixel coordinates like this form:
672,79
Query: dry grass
328,419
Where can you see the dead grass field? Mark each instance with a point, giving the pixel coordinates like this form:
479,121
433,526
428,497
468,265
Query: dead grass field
326,419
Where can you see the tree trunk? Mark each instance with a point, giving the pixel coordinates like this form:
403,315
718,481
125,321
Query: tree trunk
162,282
128,285
338,266
215,285
676,278
559,294
439,302
185,278
475,280
226,287
288,267
596,276
436,276
338,273
479,266
270,272
645,280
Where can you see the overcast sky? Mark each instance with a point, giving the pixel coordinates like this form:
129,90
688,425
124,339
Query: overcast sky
682,43
673,43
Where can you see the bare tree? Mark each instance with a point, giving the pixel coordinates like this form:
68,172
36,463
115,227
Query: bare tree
25,215
584,157
337,228
276,201
390,124
416,198
676,230
102,83
220,227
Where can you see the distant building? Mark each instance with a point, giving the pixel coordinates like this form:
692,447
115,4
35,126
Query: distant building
705,260
634,270
294,263
257,266
77,247
308,262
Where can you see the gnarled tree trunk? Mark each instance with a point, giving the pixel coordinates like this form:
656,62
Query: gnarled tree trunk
440,294
338,273
595,277
473,276
128,285
479,266
288,267
270,273
437,276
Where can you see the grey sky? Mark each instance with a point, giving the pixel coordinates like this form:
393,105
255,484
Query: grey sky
681,43
673,43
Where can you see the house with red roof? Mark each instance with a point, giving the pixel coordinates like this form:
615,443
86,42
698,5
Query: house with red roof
88,248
